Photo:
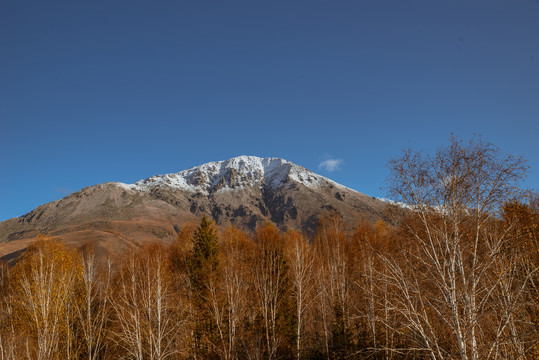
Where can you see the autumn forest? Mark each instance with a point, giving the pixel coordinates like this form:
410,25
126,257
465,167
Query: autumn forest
454,276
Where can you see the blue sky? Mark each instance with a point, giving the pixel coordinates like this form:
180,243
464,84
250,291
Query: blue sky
96,91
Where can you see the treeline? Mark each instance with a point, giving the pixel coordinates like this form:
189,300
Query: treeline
457,278
361,292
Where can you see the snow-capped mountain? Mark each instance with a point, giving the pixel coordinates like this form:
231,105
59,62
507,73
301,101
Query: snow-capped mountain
237,173
244,191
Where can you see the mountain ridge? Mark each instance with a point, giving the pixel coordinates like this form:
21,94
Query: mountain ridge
245,191
246,170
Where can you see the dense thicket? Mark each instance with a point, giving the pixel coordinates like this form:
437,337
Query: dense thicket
456,279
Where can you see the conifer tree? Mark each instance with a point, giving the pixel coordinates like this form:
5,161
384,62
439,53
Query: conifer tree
202,267
204,257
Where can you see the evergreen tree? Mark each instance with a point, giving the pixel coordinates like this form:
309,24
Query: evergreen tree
202,266
204,257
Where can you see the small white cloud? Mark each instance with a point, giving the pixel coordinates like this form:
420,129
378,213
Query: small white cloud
330,165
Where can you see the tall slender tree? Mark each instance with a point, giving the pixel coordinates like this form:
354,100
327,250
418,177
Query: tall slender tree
93,310
204,259
203,273
272,286
231,308
147,323
333,250
301,258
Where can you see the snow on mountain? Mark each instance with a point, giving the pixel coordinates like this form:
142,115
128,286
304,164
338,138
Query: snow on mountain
245,192
396,203
236,173
440,208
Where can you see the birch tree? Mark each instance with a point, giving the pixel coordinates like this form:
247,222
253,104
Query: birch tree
146,321
301,261
45,289
332,249
8,338
93,311
230,300
372,302
271,285
446,284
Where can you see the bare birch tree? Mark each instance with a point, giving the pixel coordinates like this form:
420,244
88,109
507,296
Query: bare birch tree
44,283
8,339
270,276
147,323
372,298
179,256
301,261
334,286
229,301
446,284
94,310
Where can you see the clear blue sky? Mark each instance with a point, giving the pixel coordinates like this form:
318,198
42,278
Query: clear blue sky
97,91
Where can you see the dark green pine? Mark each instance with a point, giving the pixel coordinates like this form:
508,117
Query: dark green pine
205,255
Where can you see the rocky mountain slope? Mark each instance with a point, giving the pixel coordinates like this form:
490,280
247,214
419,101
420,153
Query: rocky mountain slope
245,191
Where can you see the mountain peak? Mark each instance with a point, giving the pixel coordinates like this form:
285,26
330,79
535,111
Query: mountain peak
245,191
236,173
